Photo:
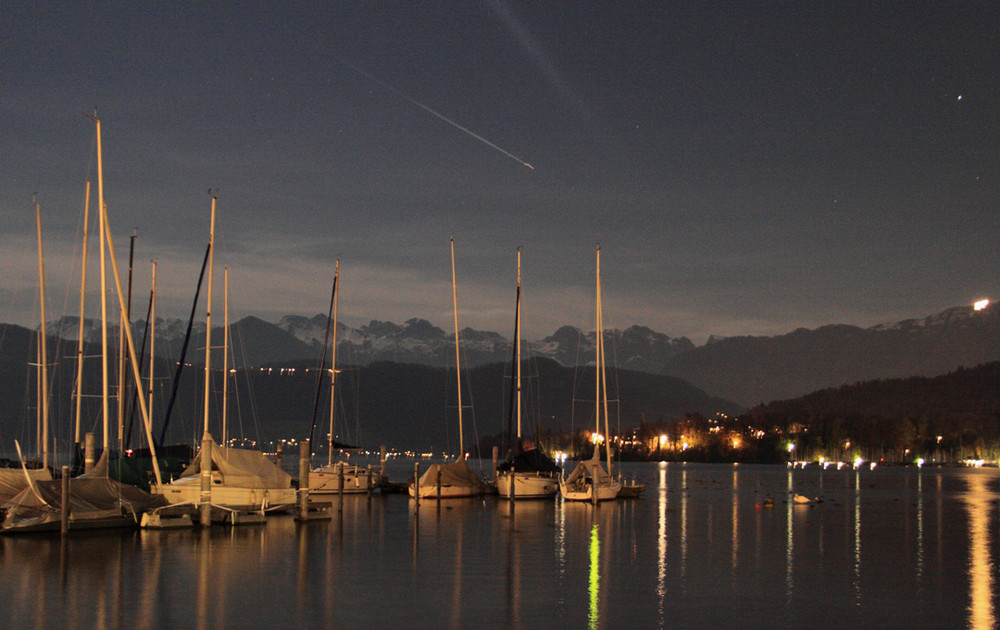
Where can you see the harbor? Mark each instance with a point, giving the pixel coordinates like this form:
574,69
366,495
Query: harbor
697,551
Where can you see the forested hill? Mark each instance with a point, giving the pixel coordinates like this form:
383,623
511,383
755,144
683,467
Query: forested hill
952,416
973,390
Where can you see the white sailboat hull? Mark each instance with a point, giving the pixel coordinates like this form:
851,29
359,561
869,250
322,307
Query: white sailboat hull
604,492
187,490
527,485
430,491
326,480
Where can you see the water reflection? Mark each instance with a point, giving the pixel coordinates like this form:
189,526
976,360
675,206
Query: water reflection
595,577
789,541
981,581
857,538
661,543
885,548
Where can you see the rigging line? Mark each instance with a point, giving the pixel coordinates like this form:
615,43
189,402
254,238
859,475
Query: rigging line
184,347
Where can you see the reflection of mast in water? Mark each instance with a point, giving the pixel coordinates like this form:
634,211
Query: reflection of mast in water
456,591
513,569
789,541
560,543
736,522
684,521
920,528
203,548
661,544
857,538
981,566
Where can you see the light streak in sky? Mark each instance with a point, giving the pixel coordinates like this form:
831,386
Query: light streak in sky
433,112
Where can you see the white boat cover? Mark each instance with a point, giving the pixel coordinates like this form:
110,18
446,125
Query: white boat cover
241,468
457,474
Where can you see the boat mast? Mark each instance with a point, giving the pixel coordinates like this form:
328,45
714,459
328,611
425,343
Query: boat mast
597,349
458,364
152,338
79,344
122,358
225,353
208,320
43,384
130,340
333,363
517,342
603,384
102,211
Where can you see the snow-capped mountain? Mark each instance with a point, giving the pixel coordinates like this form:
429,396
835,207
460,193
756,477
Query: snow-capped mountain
754,370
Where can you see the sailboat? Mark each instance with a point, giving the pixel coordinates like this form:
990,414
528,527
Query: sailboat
337,477
15,479
224,481
454,479
589,481
527,473
94,499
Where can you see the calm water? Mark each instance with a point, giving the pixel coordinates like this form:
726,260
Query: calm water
890,547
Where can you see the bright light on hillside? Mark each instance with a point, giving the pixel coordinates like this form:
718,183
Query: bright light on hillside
980,305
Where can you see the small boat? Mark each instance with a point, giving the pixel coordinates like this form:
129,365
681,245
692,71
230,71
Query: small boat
528,473
454,479
96,501
229,480
336,477
631,490
589,481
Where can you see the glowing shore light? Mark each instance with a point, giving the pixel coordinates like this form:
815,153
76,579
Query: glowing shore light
858,461
980,304
920,462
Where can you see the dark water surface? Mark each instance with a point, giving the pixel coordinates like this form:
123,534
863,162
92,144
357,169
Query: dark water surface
884,548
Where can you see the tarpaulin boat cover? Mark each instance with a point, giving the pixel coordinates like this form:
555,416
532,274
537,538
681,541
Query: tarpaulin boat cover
455,474
532,460
93,496
13,480
241,468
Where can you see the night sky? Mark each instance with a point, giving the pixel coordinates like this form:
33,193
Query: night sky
746,168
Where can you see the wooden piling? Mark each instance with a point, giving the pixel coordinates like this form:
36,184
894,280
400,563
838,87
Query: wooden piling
64,516
416,483
205,501
304,454
88,452
340,490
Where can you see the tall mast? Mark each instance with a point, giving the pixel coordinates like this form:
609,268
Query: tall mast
603,383
102,213
458,364
333,362
43,384
225,354
83,294
208,315
152,338
122,358
133,360
597,356
517,342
